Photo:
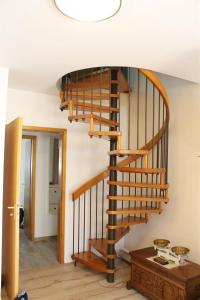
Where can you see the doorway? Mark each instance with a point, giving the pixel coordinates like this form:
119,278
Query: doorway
42,196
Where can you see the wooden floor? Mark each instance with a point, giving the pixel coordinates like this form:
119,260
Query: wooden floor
76,283
34,255
43,278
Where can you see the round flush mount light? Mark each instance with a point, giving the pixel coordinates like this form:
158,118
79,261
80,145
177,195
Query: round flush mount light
89,10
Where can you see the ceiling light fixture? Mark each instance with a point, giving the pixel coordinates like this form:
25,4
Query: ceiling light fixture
89,10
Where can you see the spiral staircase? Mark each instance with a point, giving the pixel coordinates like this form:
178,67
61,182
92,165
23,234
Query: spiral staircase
125,106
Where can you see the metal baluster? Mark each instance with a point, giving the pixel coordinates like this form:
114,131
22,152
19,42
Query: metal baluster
77,77
164,142
74,215
90,233
119,107
145,135
167,149
63,89
78,225
153,133
101,70
158,145
138,124
122,195
138,108
129,132
84,225
84,92
96,210
102,232
158,149
137,127
161,142
70,93
92,70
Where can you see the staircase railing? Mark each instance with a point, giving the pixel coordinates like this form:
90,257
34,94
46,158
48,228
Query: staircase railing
89,216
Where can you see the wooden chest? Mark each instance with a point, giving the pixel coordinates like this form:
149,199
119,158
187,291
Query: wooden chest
158,283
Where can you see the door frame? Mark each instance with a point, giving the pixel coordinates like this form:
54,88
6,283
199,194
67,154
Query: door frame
33,176
61,210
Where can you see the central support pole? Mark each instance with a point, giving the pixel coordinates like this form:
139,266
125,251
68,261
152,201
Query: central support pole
114,90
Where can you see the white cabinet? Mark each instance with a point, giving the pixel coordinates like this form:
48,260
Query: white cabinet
54,198
53,209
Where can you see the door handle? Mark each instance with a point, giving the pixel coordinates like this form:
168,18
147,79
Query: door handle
13,207
16,210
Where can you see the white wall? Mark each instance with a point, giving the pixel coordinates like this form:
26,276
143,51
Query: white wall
179,221
3,100
85,156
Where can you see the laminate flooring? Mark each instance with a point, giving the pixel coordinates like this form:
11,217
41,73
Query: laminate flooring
37,254
66,282
43,278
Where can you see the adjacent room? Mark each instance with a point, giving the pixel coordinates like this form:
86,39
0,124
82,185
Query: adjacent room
40,192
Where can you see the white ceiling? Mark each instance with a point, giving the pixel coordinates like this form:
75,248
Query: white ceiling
39,44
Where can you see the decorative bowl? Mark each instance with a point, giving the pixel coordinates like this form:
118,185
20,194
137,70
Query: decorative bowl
161,243
180,250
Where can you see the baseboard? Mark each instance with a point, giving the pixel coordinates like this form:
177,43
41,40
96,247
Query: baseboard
124,255
44,238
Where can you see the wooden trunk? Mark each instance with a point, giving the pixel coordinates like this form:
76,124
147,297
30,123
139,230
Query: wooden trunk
158,283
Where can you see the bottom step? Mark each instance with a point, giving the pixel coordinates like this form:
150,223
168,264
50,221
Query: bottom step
92,261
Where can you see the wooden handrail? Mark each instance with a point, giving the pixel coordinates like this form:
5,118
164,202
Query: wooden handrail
89,184
158,84
103,175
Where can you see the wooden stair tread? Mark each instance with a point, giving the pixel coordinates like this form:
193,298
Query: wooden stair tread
89,107
139,185
92,261
137,170
101,246
128,221
134,210
75,94
139,198
110,134
97,119
126,152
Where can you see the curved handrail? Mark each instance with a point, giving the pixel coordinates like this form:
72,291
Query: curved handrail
104,174
158,84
